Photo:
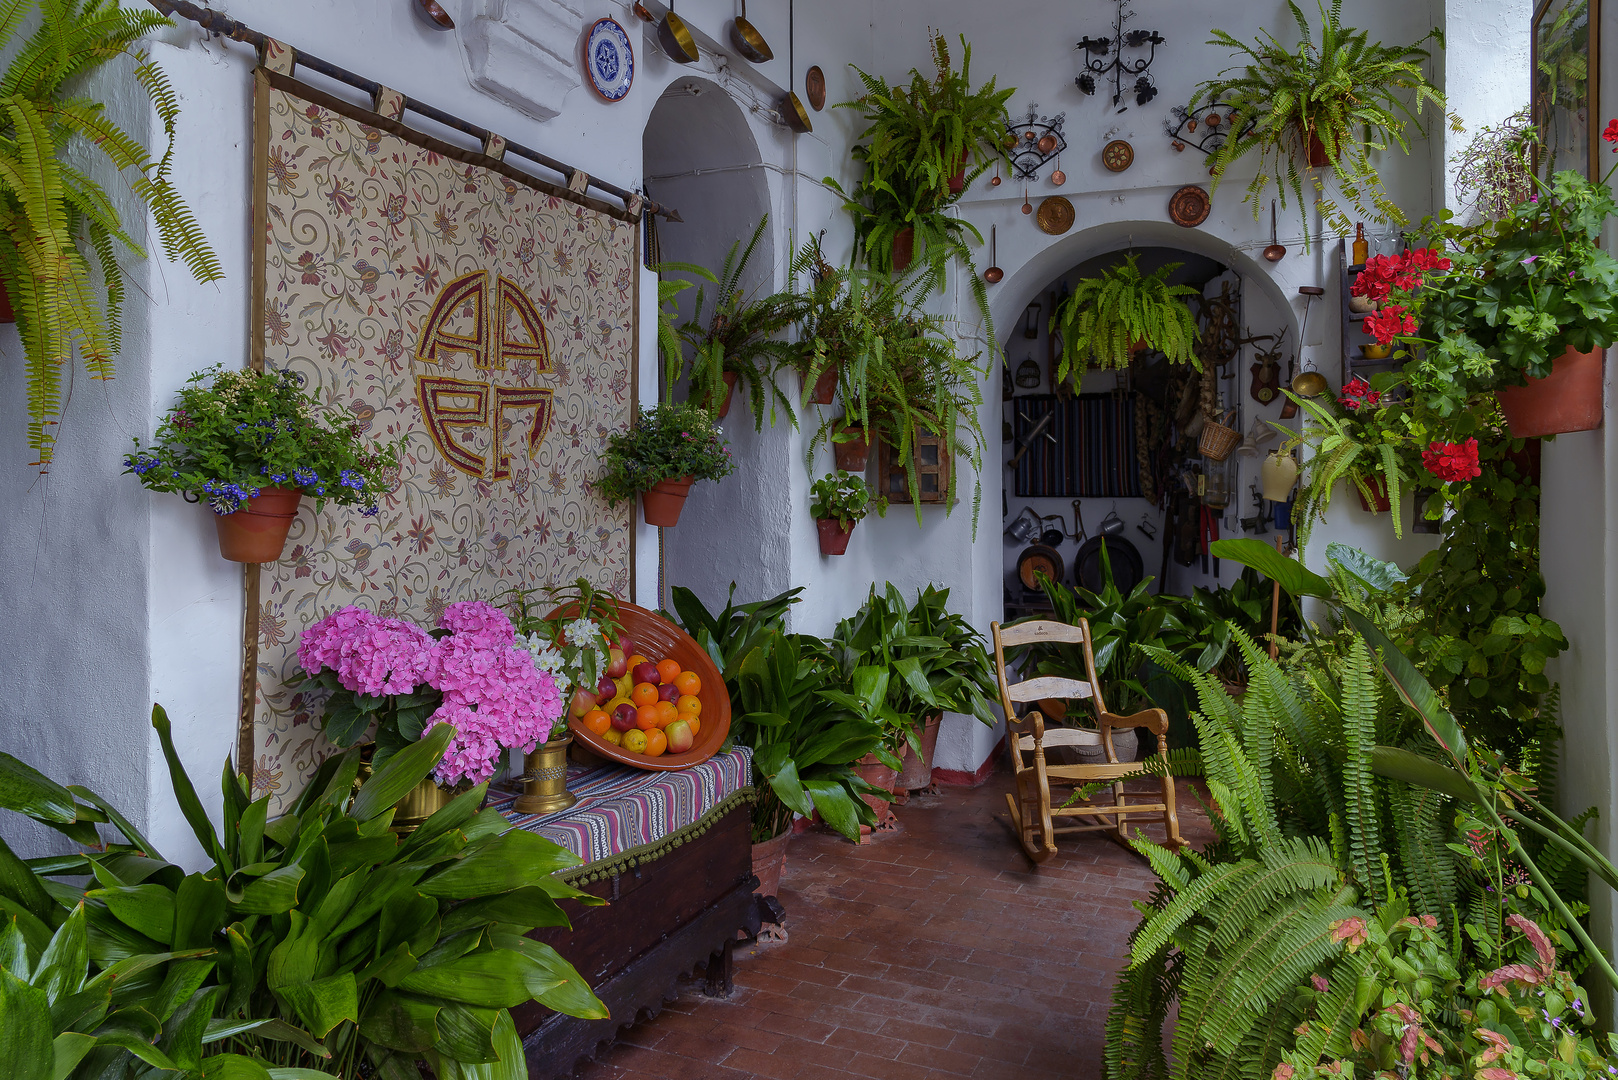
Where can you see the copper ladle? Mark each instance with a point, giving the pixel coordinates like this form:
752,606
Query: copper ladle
1275,252
1058,177
993,274
676,38
1027,207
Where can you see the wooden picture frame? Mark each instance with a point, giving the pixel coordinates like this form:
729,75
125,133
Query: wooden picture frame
1564,85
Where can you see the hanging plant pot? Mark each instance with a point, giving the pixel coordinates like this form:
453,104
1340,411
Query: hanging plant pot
1568,399
1317,150
1379,490
957,179
661,505
833,537
825,387
853,455
730,378
7,315
258,531
904,249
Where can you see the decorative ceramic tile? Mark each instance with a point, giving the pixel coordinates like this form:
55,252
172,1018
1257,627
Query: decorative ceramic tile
485,326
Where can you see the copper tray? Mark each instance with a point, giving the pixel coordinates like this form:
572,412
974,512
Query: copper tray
1189,206
1056,215
657,638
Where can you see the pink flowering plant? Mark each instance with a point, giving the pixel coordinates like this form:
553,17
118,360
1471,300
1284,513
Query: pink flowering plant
234,432
469,673
669,442
580,645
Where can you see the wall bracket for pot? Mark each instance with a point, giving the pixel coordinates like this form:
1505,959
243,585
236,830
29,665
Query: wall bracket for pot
1205,130
1032,142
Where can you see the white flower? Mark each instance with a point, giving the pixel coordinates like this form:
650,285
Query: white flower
547,659
583,633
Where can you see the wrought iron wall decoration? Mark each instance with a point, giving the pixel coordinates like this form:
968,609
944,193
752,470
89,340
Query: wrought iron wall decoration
1104,56
1206,130
1033,141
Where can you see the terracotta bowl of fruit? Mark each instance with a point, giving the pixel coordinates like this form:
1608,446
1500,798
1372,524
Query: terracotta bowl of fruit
666,707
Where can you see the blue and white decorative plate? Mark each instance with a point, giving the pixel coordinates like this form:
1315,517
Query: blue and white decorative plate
609,60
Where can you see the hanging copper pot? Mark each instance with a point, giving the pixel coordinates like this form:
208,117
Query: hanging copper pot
676,38
792,110
1047,144
748,41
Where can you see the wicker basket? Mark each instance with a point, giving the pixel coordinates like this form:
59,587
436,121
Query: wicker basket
1217,439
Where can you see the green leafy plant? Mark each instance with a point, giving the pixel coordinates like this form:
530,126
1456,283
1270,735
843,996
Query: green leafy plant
237,431
916,137
731,634
899,368
1370,447
1497,166
844,498
668,442
1120,311
1339,90
313,943
577,644
741,337
55,219
803,748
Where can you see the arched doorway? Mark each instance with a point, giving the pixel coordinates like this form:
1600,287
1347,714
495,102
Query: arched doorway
701,157
1128,456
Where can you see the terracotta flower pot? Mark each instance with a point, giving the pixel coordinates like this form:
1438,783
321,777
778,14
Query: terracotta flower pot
853,455
1568,399
833,537
870,769
1317,151
825,387
7,315
258,531
661,506
957,180
904,249
730,378
769,859
918,770
1379,488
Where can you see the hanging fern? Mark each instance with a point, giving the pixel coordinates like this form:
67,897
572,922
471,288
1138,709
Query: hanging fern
54,218
1112,315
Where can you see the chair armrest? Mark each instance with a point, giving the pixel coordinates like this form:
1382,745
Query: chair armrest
1154,720
1031,723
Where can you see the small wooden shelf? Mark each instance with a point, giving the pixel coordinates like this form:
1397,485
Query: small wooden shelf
1353,325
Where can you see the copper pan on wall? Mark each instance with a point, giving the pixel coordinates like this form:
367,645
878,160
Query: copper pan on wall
748,41
676,38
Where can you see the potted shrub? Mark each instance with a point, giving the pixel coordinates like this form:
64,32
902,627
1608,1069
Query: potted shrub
838,501
394,678
670,448
251,444
1367,440
738,341
59,222
1523,306
922,145
956,676
1120,312
1327,103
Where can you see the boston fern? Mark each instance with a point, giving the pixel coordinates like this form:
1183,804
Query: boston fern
1109,316
49,208
1339,88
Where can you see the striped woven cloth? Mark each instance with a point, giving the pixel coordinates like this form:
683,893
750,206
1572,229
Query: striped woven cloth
626,816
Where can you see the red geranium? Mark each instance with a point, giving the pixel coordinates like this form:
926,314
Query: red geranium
1611,134
1452,461
1389,323
1358,394
1383,273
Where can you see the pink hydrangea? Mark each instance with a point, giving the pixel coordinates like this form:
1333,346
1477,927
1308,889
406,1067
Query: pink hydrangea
370,654
495,698
479,619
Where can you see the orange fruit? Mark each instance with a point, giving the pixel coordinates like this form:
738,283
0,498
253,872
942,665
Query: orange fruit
656,743
668,670
666,713
648,717
635,741
688,683
644,694
694,720
597,721
689,705
614,736
637,659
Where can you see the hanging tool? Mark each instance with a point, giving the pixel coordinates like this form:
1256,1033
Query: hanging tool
1309,383
1078,523
1034,433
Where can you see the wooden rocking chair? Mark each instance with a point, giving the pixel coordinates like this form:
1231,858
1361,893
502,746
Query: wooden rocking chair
1028,738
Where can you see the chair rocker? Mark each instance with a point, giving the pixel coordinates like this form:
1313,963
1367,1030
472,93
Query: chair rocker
1033,817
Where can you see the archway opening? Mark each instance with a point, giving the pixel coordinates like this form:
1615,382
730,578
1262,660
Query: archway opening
701,157
1118,454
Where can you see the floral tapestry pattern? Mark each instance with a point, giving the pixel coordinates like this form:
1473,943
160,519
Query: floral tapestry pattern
485,325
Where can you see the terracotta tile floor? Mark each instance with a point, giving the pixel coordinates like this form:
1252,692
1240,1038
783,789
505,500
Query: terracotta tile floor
934,951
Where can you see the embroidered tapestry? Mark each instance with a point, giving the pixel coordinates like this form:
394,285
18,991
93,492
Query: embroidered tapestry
481,319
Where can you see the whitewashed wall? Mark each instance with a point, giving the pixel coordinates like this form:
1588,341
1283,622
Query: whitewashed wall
120,598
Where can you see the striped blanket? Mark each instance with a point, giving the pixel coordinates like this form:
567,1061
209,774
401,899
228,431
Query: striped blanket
627,816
